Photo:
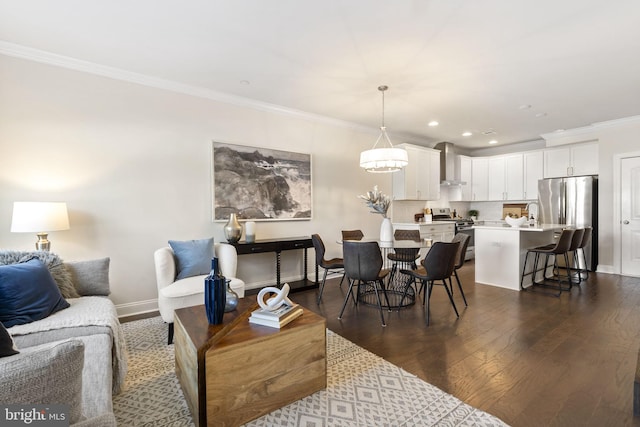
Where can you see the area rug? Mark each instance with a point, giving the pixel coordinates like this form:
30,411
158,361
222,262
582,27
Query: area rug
362,390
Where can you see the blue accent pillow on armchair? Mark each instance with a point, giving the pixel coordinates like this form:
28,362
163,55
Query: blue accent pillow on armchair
193,257
28,293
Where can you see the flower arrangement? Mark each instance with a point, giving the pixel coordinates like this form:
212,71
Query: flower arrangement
377,201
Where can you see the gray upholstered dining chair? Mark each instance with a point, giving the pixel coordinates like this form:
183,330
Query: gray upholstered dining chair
363,265
437,265
404,256
327,264
463,239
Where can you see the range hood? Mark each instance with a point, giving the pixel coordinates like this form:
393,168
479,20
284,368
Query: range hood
448,162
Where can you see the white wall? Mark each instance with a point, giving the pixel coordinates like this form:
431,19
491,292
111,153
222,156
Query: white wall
133,164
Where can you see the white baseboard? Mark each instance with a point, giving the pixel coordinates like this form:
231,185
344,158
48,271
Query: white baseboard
608,269
138,307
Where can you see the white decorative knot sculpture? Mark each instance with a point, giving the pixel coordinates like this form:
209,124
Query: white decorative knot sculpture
276,301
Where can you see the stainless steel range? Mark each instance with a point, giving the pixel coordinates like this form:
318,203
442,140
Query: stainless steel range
463,225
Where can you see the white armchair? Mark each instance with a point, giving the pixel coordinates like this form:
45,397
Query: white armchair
189,291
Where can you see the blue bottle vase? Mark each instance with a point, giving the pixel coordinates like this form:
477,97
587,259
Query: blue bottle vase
215,292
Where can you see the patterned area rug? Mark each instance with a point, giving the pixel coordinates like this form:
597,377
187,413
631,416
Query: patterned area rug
362,390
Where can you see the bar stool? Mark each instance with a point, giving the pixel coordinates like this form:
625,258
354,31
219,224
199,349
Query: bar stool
561,247
576,241
585,241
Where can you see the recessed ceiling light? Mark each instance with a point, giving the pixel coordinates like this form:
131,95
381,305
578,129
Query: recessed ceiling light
433,123
493,141
466,133
524,107
541,114
559,130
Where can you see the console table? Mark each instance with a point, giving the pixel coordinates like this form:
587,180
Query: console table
277,246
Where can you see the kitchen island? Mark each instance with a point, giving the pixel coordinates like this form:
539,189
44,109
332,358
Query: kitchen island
501,250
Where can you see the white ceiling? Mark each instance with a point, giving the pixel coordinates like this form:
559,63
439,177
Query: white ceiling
468,64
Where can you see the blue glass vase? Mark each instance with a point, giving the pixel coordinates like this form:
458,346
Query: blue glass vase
215,294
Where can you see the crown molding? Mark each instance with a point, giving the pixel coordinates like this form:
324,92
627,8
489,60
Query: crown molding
36,55
586,133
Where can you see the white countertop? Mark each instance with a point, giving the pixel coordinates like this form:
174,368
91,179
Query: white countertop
525,227
423,223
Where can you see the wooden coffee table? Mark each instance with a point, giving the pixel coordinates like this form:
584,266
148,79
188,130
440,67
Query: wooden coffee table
235,372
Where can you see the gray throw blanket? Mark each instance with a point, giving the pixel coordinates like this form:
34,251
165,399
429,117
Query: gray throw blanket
86,311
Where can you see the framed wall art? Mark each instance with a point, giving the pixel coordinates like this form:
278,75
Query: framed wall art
260,184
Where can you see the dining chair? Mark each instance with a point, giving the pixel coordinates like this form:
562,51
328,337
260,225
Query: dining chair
437,265
327,264
560,248
463,240
352,235
404,256
363,265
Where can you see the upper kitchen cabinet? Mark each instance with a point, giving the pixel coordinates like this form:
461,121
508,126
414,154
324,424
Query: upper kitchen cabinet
463,174
571,160
420,179
479,178
533,171
506,177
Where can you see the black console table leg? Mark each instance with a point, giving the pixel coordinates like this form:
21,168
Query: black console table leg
278,268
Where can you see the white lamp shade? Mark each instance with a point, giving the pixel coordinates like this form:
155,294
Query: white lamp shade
39,217
384,159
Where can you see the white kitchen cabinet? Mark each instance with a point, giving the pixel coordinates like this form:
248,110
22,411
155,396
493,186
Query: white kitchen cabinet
533,172
479,178
463,173
506,177
571,160
420,179
438,231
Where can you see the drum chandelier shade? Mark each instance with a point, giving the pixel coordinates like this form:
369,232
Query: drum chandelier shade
387,158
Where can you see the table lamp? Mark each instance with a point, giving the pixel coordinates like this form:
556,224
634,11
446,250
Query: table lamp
39,217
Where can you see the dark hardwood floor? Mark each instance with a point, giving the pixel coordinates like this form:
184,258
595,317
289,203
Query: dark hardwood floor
528,358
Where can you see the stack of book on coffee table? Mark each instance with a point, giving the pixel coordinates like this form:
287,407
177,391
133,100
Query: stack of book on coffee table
277,318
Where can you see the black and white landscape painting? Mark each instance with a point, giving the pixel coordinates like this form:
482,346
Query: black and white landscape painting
260,183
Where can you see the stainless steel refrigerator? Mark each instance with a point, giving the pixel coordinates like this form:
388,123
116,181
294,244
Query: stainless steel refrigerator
572,201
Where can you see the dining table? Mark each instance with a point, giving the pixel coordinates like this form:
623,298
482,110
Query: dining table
398,289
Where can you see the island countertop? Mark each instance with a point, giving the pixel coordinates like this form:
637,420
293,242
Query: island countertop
525,227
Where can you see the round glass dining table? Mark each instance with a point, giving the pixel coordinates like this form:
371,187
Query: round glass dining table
399,291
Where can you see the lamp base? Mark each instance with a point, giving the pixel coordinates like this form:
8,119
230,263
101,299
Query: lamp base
43,244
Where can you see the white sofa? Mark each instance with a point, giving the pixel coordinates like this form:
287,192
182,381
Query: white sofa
187,292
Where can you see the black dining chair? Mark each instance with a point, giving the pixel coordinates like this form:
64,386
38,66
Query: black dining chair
404,256
363,265
437,265
352,235
463,240
327,264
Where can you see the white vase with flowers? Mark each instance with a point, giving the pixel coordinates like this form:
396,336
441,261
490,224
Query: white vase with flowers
379,203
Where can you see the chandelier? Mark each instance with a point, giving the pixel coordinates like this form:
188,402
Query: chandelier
386,158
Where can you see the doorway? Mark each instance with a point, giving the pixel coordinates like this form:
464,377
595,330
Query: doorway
630,216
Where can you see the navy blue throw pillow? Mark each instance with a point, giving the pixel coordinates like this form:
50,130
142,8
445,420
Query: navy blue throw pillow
193,257
28,293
